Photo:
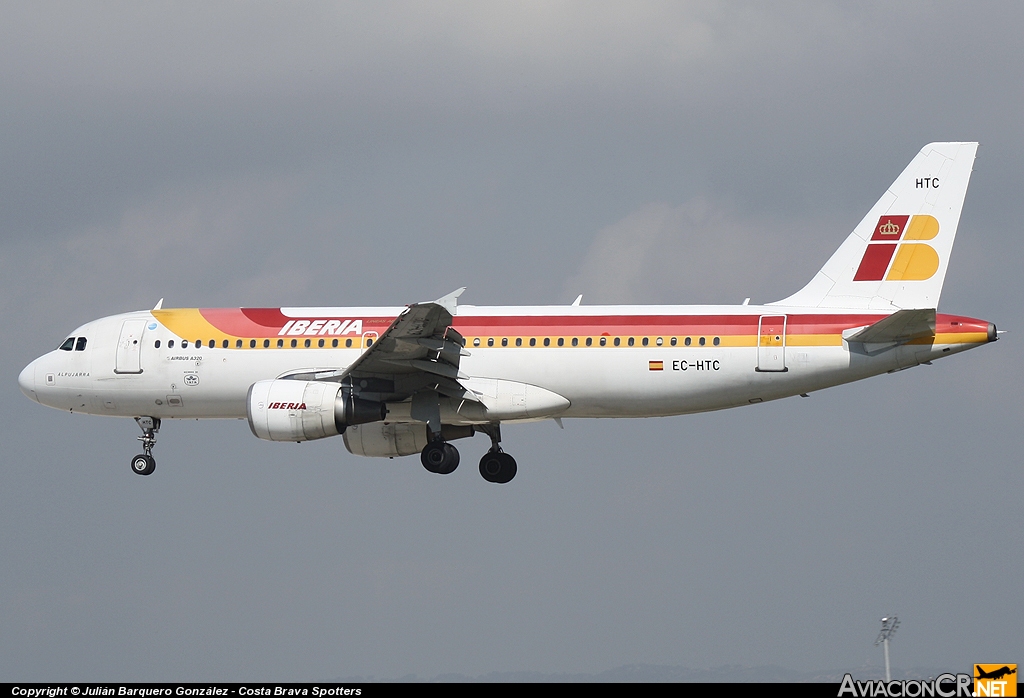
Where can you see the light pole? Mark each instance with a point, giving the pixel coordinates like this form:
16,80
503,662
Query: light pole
889,625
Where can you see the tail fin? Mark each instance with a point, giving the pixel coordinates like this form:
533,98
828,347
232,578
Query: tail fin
897,257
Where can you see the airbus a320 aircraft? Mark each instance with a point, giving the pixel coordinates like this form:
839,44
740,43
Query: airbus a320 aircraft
401,381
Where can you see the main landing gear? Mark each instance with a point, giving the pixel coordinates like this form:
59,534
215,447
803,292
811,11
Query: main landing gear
441,457
496,465
144,463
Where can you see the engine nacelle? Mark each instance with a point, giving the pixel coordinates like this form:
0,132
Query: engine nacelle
386,440
292,410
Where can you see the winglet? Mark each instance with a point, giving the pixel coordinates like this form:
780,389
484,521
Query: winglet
451,301
159,304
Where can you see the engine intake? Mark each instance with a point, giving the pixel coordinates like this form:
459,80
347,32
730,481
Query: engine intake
292,410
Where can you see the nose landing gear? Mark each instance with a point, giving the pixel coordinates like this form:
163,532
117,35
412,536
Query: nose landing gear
144,463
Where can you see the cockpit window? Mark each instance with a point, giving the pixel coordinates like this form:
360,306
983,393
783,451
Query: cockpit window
68,344
80,346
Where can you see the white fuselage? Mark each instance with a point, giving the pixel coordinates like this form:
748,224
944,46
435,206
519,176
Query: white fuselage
638,380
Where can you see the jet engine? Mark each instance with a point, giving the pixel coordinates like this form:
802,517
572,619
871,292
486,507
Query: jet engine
294,410
386,440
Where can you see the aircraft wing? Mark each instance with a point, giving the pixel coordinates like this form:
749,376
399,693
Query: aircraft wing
419,351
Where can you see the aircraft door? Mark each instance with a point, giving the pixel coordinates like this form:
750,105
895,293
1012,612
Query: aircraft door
771,343
129,347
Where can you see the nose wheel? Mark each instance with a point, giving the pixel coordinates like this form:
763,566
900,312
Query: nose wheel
144,463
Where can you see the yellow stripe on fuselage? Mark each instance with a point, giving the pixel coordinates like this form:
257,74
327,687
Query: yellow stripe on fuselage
188,323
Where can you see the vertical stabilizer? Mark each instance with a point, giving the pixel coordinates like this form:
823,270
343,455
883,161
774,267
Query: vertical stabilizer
897,257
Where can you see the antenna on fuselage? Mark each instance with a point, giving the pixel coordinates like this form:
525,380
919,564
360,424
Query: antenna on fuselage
579,299
159,304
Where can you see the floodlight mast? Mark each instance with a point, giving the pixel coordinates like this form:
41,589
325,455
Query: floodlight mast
889,625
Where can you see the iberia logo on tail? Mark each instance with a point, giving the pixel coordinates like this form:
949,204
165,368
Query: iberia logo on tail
891,256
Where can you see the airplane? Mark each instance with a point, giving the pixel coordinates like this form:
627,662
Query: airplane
399,381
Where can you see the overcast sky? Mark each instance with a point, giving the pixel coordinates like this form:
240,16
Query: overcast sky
225,154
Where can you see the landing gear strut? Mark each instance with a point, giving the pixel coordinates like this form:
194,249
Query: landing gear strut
144,463
496,465
440,457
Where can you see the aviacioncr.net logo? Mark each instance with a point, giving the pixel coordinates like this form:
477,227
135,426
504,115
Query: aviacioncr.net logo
944,686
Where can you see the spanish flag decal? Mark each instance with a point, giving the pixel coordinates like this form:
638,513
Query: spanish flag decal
656,365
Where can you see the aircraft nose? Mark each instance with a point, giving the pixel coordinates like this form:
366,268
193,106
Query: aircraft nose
27,381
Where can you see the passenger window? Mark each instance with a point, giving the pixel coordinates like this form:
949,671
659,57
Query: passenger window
658,341
295,343
686,341
702,341
266,343
280,343
157,344
320,343
224,344
716,342
213,343
80,346
673,341
533,341
616,342
476,342
170,343
252,343
199,344
369,341
547,341
644,342
184,344
561,342
630,341
348,342
519,341
589,341
575,341
604,340
504,341
490,342
334,343
306,344
238,344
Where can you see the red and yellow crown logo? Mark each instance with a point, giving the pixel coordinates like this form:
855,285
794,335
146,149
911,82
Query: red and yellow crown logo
915,261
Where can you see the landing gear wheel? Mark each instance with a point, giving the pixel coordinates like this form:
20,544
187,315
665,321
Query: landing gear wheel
497,466
143,464
440,457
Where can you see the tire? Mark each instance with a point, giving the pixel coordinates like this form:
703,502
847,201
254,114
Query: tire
498,467
451,460
490,466
508,469
143,464
434,456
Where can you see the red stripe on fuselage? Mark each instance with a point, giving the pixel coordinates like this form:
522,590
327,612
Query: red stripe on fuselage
267,322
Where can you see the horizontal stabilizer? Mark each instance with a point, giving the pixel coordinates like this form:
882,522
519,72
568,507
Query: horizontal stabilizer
899,328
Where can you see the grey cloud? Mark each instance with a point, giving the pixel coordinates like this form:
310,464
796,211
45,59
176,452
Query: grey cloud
700,252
